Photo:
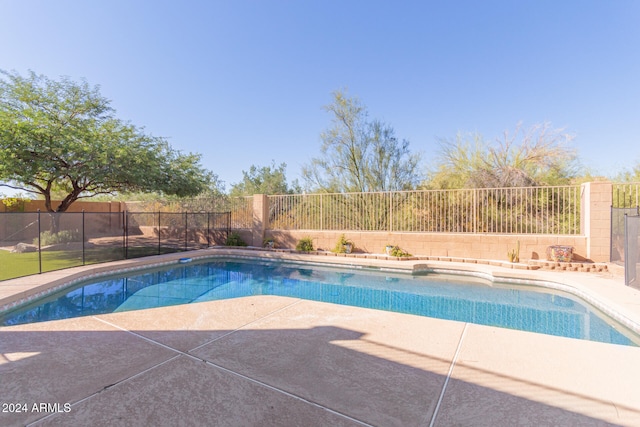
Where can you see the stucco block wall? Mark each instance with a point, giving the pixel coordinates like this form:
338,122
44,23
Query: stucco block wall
260,217
593,243
458,245
79,206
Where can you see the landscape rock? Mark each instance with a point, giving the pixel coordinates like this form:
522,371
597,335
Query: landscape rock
24,247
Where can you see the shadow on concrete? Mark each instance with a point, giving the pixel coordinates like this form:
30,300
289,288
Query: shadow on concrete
91,372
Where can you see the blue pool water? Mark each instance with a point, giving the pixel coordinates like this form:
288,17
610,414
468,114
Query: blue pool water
445,297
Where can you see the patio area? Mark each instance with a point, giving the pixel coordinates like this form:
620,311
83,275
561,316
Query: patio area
267,360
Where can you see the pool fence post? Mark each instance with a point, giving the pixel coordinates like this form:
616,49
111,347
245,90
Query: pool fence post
39,245
83,254
159,233
125,233
186,231
208,229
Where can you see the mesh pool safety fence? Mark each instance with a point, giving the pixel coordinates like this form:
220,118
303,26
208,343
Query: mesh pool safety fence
632,251
37,242
625,242
618,233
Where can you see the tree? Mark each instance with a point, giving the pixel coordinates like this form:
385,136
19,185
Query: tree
358,155
629,176
264,180
535,156
61,137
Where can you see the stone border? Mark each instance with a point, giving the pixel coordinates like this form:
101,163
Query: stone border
583,267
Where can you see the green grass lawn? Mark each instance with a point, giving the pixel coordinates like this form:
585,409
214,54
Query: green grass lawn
14,265
17,265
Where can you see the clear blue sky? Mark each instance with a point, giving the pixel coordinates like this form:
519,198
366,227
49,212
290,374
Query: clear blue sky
244,82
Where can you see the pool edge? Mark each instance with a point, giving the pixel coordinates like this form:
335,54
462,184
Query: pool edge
33,287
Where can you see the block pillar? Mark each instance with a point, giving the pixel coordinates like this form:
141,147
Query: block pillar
595,219
260,218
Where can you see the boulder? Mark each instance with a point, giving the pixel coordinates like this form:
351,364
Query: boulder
24,247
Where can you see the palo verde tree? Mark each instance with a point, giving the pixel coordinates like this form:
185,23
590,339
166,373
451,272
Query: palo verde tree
632,175
538,155
61,137
358,155
361,156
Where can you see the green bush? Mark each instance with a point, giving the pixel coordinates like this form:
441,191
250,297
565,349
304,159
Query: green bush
397,251
305,244
65,236
268,242
341,245
234,239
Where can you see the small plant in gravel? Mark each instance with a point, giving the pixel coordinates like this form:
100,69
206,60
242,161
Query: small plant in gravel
268,242
343,246
305,244
397,251
234,239
514,254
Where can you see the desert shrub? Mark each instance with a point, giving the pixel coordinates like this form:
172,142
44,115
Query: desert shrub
65,236
341,245
234,239
268,242
305,244
397,251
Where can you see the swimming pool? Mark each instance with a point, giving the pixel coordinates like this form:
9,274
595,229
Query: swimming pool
447,297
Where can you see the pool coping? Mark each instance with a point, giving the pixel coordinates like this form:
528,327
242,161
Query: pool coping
606,292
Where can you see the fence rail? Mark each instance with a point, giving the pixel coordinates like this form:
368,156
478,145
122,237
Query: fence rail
626,195
530,210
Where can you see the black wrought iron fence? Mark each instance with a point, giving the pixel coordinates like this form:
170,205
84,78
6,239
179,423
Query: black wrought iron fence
36,242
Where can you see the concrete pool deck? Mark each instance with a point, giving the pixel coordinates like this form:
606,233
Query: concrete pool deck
278,361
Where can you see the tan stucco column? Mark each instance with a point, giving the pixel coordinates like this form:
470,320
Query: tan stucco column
260,218
595,219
